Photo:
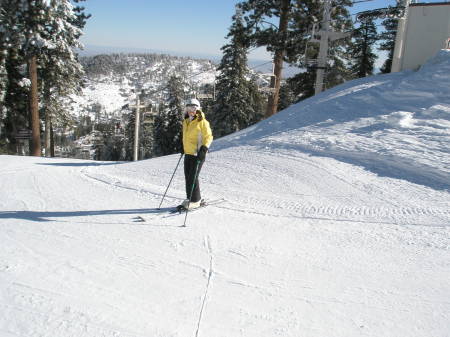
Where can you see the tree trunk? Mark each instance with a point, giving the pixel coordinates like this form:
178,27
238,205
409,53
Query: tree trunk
278,59
34,109
48,123
52,141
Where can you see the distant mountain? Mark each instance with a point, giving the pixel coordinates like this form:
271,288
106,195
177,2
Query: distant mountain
92,50
259,65
266,67
112,80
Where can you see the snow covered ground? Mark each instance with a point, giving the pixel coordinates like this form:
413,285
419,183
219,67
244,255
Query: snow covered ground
336,223
109,92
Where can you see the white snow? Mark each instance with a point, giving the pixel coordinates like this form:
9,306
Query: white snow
24,82
111,92
336,223
105,94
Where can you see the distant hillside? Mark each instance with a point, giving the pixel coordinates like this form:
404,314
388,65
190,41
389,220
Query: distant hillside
146,69
112,80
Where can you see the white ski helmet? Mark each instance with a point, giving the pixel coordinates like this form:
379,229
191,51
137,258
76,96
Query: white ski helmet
193,101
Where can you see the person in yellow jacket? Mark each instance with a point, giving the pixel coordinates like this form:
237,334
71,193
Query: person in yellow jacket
197,138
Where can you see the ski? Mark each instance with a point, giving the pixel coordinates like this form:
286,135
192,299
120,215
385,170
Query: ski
174,211
180,210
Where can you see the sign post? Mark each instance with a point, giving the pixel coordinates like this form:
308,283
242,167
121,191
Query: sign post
136,128
22,135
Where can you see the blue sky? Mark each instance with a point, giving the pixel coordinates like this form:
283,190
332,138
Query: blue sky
192,27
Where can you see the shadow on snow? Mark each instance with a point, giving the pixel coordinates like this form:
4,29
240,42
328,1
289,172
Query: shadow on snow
81,164
46,216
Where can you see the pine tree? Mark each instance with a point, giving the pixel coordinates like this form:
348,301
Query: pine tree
275,38
3,56
337,69
159,130
234,108
302,85
80,18
168,123
362,49
13,88
291,44
256,102
129,134
113,148
45,32
302,51
15,101
388,37
287,96
65,77
148,137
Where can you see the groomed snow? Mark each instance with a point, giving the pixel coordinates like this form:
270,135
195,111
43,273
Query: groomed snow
336,223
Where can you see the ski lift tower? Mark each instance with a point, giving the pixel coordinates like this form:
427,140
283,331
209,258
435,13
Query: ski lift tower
326,35
137,124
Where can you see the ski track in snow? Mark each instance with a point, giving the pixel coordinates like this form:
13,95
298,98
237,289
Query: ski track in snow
297,207
326,230
213,267
209,275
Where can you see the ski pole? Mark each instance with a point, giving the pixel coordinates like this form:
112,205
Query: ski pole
192,191
170,181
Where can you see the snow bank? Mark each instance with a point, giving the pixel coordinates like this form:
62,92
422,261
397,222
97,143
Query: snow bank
400,118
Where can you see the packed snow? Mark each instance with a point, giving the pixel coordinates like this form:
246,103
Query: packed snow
336,222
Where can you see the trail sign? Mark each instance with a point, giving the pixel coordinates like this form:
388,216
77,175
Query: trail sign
24,134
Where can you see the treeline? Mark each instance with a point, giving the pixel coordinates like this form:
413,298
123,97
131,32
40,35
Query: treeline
39,69
285,28
143,69
39,72
162,82
112,138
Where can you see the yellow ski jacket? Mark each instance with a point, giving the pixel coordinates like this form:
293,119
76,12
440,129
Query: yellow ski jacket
196,133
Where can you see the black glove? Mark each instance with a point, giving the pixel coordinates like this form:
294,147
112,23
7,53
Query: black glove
202,153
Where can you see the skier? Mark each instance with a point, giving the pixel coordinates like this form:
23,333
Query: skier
197,138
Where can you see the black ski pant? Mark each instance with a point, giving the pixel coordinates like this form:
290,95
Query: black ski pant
190,163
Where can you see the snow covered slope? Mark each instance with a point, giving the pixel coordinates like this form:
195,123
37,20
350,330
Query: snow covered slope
111,80
396,124
336,223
